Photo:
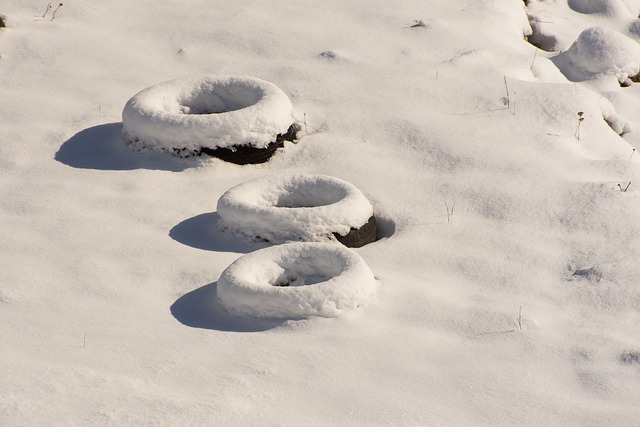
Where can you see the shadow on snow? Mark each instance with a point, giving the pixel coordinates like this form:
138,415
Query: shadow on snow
102,147
202,232
201,309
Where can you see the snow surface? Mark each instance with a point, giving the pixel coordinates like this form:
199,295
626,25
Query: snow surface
210,111
296,281
282,208
109,258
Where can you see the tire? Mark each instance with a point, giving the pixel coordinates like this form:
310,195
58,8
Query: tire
296,281
246,154
190,117
300,207
358,237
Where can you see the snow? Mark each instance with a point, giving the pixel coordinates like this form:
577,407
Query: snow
296,281
599,51
519,307
281,208
612,8
210,111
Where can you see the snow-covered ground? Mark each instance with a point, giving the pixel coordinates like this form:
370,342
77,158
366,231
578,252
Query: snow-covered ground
507,270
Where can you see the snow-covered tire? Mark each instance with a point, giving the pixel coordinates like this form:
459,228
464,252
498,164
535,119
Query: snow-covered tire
214,115
246,154
597,52
300,207
295,281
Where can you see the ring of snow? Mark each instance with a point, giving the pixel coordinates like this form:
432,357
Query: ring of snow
300,207
186,115
296,280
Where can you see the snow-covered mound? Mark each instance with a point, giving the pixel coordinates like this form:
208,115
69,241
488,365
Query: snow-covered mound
296,280
600,52
210,112
613,8
307,207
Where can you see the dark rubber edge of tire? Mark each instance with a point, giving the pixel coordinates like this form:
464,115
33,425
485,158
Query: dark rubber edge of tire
358,237
246,154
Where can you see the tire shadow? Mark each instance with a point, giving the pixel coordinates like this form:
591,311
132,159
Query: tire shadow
386,227
201,232
102,147
201,309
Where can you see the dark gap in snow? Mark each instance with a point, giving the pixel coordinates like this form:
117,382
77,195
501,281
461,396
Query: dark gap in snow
612,126
618,126
630,358
329,54
282,285
592,274
291,279
2,23
539,38
630,80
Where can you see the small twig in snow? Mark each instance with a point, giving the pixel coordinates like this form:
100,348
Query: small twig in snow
506,87
632,153
56,9
596,106
625,188
46,10
306,125
580,120
519,320
534,60
449,211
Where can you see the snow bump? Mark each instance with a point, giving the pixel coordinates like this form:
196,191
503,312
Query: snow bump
598,52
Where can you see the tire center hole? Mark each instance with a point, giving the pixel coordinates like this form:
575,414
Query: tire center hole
219,99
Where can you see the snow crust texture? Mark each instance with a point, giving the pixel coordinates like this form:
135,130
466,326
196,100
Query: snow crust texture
210,111
295,281
519,306
293,207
